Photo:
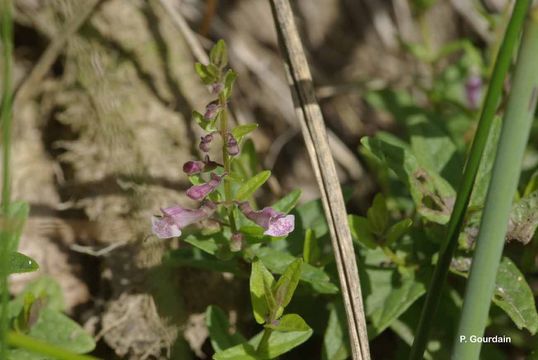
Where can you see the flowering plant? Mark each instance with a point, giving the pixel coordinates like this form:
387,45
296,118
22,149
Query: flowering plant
224,182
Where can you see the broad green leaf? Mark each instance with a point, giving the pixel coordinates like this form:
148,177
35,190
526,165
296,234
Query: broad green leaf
290,322
259,278
523,219
251,185
43,287
239,132
279,343
335,339
396,231
207,243
360,231
219,54
391,293
246,164
278,261
287,283
288,202
514,296
219,329
206,73
207,125
311,251
478,196
229,80
57,329
433,196
378,215
20,263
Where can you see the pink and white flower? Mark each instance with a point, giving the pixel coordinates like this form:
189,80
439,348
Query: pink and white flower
275,223
175,218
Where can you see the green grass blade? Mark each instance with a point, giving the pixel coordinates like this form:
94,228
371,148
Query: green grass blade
5,121
515,132
491,102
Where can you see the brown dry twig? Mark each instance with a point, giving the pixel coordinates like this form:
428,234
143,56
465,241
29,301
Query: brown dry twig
315,136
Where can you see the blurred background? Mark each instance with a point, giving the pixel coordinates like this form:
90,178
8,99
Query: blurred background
103,129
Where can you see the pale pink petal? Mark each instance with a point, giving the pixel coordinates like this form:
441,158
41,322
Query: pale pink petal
163,228
281,226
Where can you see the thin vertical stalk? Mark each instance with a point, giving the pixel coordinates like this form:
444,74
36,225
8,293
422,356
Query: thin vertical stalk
5,118
515,131
465,188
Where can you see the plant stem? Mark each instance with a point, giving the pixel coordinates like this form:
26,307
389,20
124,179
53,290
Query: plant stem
226,158
491,102
40,347
5,118
515,132
264,342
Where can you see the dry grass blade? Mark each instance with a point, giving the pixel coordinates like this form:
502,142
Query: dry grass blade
315,135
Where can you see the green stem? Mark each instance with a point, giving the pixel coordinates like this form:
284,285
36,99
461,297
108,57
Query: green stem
5,121
515,132
226,158
264,342
491,102
40,347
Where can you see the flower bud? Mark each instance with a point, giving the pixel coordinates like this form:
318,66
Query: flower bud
216,88
236,242
198,192
231,144
473,91
193,167
205,141
211,110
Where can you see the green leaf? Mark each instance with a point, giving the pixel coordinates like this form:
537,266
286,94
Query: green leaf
20,263
278,261
229,80
433,196
207,243
246,164
311,249
259,278
207,125
288,202
239,132
287,283
290,322
360,231
219,54
335,339
514,296
391,293
219,329
279,343
206,73
200,260
43,287
251,185
523,219
378,215
396,231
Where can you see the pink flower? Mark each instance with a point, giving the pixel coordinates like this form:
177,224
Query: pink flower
275,223
473,91
205,141
211,110
193,167
198,192
231,144
175,218
216,88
